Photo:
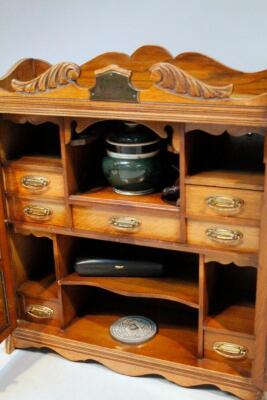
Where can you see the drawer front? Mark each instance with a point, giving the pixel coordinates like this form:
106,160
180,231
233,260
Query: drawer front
40,311
228,347
223,202
43,184
231,237
147,225
41,212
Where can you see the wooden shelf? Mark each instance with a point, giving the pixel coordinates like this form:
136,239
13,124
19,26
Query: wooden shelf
45,288
169,288
228,179
172,343
107,196
235,318
47,163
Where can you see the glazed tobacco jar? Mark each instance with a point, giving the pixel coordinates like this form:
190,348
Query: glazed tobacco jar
132,165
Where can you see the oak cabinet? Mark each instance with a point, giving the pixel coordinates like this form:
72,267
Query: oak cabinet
56,205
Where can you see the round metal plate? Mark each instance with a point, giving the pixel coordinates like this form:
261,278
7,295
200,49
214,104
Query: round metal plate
133,329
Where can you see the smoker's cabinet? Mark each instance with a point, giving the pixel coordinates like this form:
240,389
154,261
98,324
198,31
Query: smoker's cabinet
56,205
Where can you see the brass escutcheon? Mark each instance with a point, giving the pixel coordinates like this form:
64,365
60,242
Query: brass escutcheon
34,183
225,205
230,350
119,266
126,224
39,311
224,236
38,212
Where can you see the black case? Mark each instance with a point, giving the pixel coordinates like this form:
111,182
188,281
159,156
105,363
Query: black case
113,267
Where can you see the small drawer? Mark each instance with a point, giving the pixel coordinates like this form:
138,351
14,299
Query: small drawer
231,237
223,202
41,311
141,224
228,347
33,182
41,212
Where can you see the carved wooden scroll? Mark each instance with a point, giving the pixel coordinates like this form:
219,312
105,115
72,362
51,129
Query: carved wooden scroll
57,75
113,84
173,79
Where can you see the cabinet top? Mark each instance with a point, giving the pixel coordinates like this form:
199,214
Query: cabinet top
148,85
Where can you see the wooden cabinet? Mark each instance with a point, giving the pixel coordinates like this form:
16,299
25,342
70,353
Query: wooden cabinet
56,206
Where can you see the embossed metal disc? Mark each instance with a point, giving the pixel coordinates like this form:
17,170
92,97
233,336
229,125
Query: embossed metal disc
133,329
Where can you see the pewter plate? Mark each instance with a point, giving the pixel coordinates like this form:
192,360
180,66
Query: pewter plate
133,329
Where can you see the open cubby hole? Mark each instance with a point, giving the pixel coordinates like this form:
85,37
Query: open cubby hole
89,313
178,283
224,152
87,150
34,265
225,160
231,297
19,140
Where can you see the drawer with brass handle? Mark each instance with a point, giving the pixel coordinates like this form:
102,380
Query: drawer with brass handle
42,212
38,310
223,202
208,234
118,221
19,180
229,346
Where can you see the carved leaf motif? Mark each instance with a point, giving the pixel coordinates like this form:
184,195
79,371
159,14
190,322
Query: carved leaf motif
173,79
57,75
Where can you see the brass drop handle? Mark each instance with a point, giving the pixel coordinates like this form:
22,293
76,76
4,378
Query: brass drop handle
230,350
225,205
228,237
37,212
34,183
125,224
39,311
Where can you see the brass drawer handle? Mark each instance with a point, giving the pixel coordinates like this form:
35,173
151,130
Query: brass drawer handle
37,212
39,311
225,236
34,183
225,205
125,224
230,350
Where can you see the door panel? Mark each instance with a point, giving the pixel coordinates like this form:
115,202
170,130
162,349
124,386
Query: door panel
8,316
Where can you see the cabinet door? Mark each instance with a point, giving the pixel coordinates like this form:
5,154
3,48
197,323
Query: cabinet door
8,315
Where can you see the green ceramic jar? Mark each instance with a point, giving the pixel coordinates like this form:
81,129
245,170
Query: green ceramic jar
132,165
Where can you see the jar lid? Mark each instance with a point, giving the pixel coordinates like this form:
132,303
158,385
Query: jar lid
132,134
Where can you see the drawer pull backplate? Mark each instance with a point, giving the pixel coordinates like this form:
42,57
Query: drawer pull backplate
224,236
38,212
125,224
230,350
34,183
225,205
39,311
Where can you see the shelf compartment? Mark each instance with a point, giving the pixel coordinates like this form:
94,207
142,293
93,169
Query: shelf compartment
234,162
87,180
177,324
106,196
179,282
234,318
231,296
45,288
19,140
180,289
